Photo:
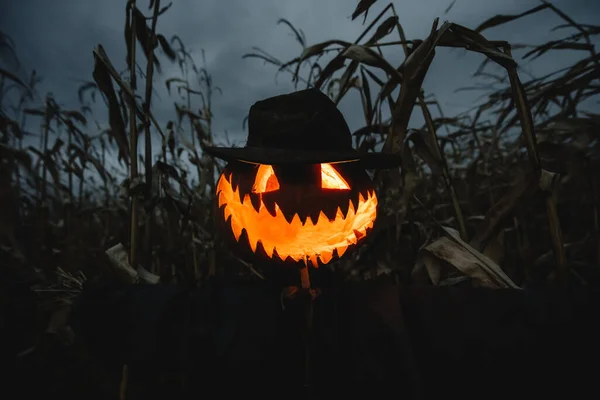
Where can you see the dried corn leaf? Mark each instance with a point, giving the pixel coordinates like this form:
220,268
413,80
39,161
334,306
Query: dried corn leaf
119,258
362,8
367,56
384,29
102,77
482,271
503,19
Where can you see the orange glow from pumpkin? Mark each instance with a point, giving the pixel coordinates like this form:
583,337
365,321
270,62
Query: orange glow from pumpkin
266,181
312,241
331,179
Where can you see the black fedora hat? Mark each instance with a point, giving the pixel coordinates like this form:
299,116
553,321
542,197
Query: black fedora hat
303,127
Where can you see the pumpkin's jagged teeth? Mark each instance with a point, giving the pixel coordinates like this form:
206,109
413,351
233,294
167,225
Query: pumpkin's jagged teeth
289,217
341,249
352,239
245,200
293,258
227,216
260,250
354,202
303,219
308,221
354,218
237,229
235,185
255,199
227,178
270,205
224,212
330,212
351,211
344,208
314,216
275,255
366,193
326,256
334,254
244,239
268,251
221,198
359,234
296,220
361,198
339,214
253,244
322,220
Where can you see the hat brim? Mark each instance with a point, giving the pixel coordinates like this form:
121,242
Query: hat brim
261,155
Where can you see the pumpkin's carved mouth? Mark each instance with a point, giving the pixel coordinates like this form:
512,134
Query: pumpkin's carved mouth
299,237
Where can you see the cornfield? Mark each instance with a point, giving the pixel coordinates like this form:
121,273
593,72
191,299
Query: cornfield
504,195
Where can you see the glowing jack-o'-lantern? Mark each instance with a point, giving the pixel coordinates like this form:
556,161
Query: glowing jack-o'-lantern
311,214
298,191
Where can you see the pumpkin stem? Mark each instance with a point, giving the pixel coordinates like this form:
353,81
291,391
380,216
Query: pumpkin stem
305,276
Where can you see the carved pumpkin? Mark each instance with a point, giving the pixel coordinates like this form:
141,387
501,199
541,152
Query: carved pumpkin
305,215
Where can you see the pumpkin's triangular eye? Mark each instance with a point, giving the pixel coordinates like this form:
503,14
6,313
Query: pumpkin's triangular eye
331,179
266,180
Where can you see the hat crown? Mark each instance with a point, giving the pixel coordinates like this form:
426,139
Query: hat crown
306,120
300,128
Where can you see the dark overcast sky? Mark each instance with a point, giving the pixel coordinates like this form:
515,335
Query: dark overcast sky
56,37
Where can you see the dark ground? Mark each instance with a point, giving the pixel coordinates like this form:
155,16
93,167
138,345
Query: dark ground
370,341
